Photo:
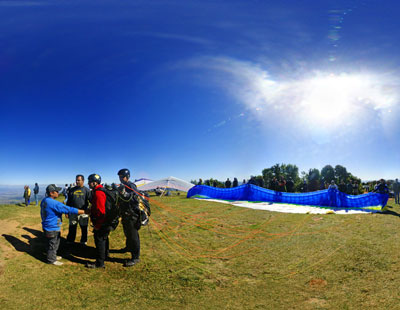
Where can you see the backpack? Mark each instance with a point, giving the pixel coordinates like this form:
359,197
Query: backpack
112,207
144,207
139,204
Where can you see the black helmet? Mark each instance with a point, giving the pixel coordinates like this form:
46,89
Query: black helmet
94,178
124,173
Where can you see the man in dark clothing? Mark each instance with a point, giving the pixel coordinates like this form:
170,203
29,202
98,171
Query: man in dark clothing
381,187
355,188
36,192
228,183
322,185
282,184
290,185
252,180
98,217
130,219
396,190
273,185
78,197
349,189
342,187
27,195
235,182
304,187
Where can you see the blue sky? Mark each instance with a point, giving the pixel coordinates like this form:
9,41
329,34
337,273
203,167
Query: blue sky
197,89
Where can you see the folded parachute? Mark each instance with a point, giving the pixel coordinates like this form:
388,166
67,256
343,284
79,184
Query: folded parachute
331,198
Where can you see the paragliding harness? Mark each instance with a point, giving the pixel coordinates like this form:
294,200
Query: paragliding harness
112,207
138,206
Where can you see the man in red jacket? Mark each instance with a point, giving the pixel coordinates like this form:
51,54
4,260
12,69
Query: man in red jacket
98,217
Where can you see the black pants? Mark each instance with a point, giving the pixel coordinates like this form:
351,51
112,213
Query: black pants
102,245
72,233
132,236
52,244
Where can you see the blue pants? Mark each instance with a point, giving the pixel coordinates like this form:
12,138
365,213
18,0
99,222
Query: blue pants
396,197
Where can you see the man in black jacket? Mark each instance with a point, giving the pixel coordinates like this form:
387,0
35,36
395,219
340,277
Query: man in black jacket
78,197
36,193
130,215
235,182
290,185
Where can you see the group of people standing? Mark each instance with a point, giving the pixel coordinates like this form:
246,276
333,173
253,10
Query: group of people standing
78,211
27,194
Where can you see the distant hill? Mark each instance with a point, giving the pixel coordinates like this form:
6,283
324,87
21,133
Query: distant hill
13,193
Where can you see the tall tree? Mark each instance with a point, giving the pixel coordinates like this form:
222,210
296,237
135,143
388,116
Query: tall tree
276,170
341,173
260,180
291,172
268,175
328,173
288,171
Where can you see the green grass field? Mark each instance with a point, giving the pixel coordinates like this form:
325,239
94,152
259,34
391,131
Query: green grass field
206,255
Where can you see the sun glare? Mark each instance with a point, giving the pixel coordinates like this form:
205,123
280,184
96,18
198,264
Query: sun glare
330,100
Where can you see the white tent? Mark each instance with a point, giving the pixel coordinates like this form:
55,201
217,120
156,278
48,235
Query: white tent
168,183
142,182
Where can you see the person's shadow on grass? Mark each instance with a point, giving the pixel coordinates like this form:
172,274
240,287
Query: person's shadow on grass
36,247
389,210
32,246
80,253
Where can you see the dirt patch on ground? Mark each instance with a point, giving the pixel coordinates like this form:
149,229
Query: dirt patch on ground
8,226
317,283
317,302
14,240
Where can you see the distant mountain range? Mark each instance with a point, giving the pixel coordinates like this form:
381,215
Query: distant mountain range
14,193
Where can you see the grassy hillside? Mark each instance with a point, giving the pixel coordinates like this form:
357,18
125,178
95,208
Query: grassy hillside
205,255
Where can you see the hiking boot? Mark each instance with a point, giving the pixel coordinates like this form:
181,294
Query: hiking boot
57,263
131,262
94,266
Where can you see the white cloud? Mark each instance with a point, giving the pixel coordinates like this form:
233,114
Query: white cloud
318,104
175,36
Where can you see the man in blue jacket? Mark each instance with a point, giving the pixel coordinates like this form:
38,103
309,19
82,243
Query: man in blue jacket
51,212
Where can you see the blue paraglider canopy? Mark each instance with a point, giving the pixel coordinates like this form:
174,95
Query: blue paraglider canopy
332,198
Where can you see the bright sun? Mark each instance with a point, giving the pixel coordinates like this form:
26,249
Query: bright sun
330,100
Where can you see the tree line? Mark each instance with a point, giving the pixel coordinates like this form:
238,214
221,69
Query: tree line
314,179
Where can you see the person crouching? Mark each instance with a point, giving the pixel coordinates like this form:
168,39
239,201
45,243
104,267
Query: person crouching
98,218
51,212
